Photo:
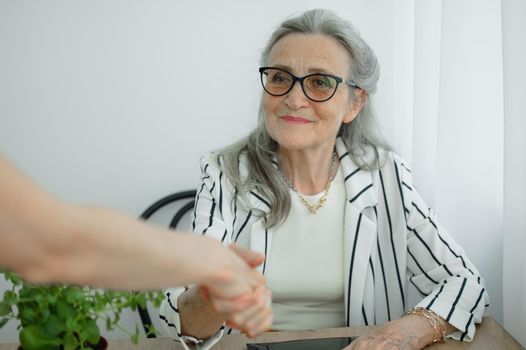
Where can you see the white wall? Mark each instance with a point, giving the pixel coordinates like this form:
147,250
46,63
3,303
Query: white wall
514,262
112,103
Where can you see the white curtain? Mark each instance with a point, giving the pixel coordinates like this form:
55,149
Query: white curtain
514,273
465,135
452,129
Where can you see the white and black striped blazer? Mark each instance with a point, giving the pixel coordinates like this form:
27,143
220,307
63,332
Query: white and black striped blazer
390,237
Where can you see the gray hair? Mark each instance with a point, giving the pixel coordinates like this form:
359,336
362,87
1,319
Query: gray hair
360,136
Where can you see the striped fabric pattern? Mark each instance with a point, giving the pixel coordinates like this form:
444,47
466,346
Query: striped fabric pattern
391,238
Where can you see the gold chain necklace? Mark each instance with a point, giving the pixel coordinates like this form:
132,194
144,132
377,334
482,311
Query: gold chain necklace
313,208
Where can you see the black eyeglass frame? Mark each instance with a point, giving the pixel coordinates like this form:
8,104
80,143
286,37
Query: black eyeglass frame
301,79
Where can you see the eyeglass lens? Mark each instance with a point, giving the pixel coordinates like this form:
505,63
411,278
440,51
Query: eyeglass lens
317,87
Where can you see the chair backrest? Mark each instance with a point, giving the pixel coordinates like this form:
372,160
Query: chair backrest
188,198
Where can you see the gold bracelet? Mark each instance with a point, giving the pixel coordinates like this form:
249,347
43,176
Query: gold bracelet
437,322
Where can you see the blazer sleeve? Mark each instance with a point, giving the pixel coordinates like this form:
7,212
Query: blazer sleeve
210,203
207,220
440,269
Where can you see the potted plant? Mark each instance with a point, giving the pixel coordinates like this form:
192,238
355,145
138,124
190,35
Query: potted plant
64,316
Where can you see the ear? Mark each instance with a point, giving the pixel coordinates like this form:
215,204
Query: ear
358,101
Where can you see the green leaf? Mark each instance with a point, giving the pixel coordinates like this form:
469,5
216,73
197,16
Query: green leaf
108,324
141,300
156,298
135,338
117,318
133,304
90,332
27,314
51,299
10,297
3,322
70,324
33,338
65,311
5,308
54,326
40,297
44,312
13,278
70,341
74,295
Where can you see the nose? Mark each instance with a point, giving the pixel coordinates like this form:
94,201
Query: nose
295,98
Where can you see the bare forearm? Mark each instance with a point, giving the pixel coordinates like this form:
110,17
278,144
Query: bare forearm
108,249
46,240
198,318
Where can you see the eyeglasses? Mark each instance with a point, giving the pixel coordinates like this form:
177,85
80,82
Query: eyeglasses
318,87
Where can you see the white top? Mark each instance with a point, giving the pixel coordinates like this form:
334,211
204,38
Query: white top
305,265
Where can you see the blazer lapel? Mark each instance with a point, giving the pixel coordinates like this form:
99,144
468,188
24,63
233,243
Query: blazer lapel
358,183
260,236
360,232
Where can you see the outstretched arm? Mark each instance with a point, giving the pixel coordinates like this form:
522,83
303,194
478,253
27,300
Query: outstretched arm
46,241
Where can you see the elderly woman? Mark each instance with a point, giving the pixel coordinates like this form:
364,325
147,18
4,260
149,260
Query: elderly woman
335,212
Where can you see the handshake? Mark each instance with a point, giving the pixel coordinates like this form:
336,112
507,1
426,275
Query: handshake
235,293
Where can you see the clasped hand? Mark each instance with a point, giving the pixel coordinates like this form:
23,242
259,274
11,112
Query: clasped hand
246,302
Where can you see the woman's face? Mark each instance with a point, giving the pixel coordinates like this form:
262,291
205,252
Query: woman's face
294,121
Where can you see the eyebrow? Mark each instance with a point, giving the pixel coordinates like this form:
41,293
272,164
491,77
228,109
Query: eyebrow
309,71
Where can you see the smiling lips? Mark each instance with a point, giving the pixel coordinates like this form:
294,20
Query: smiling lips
295,120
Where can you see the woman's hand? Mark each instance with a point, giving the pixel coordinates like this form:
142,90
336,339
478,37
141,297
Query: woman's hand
251,312
412,332
232,271
235,292
255,319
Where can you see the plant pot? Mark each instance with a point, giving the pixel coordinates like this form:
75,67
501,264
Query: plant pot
102,345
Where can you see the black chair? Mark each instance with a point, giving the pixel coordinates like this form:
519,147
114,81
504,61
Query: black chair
188,198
